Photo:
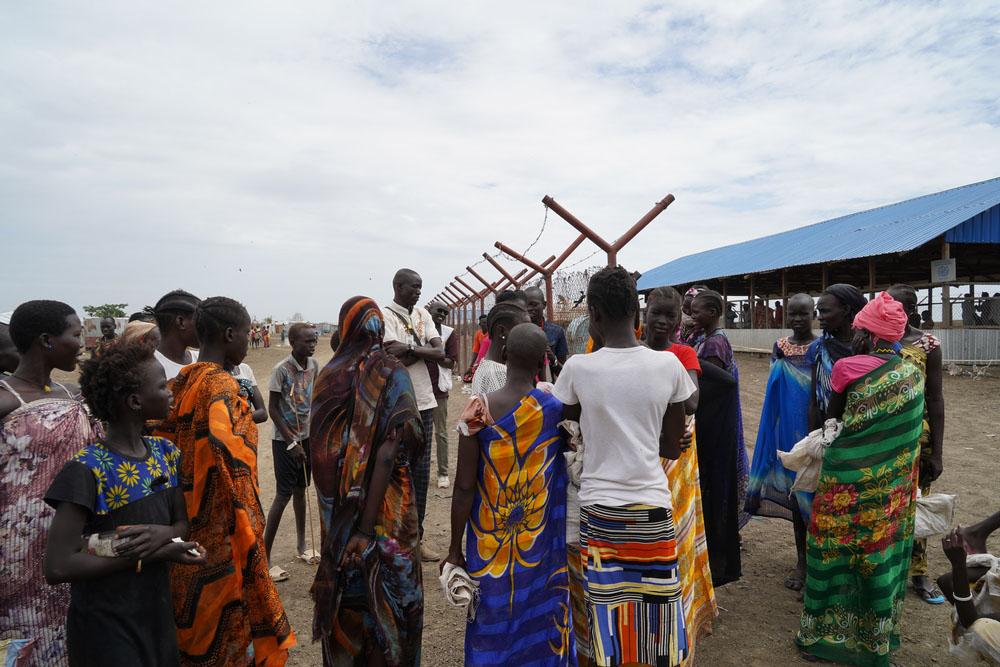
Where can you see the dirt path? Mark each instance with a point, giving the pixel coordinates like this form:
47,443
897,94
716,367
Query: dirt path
759,616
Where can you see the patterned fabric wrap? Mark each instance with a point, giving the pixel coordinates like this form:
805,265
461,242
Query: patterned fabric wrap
633,589
823,353
578,603
129,481
700,608
784,420
516,541
717,345
36,440
861,532
361,398
230,602
917,353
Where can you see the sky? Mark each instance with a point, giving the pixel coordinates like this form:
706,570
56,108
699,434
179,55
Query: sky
292,155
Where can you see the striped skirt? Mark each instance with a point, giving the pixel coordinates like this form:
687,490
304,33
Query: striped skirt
633,592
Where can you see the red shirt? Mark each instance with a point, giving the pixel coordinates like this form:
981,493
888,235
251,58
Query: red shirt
687,356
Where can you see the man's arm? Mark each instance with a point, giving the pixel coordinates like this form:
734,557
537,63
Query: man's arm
562,348
935,415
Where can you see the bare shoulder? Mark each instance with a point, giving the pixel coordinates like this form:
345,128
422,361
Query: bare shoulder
8,403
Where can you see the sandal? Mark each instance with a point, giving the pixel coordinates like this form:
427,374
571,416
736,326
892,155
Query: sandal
930,594
277,574
795,581
310,557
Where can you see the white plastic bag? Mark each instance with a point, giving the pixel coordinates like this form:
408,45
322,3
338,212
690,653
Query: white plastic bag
574,467
460,589
806,457
935,515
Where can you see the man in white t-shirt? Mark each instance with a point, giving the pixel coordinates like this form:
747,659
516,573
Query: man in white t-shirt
412,337
630,402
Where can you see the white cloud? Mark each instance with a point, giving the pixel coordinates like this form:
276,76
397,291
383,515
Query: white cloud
294,155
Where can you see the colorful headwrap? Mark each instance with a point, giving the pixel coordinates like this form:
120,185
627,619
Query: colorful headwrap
884,317
362,397
137,330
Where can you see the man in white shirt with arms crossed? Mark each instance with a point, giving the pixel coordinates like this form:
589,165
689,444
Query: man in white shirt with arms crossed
412,337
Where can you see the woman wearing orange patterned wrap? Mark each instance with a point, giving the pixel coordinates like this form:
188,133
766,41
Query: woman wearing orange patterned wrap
230,602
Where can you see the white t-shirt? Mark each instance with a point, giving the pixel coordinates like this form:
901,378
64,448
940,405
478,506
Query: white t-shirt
244,372
424,330
623,394
171,368
491,376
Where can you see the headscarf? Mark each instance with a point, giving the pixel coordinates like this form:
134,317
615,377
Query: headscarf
883,317
360,398
137,330
850,296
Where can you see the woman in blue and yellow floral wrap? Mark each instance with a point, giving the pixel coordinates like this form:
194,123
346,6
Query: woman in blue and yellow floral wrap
513,513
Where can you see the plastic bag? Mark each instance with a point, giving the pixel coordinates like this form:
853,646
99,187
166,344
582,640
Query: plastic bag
806,457
935,515
460,590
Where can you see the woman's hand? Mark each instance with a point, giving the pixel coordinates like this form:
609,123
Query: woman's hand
953,545
180,552
355,550
142,541
453,557
687,439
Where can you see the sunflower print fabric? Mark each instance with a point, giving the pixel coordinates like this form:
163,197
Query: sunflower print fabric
516,539
122,480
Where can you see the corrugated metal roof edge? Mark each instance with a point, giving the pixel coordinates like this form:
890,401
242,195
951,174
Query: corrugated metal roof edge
845,257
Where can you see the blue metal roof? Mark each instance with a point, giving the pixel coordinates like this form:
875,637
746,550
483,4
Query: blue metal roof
968,214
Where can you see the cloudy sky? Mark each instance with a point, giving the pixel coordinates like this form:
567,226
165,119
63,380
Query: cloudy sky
294,154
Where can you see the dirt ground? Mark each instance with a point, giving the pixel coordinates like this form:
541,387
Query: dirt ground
758,616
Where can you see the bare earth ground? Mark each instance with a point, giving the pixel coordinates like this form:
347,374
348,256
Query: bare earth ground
758,616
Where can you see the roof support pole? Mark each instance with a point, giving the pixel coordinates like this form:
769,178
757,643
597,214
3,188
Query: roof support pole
871,277
725,304
946,311
753,306
826,278
784,299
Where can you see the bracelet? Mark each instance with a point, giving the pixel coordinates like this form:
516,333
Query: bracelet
956,598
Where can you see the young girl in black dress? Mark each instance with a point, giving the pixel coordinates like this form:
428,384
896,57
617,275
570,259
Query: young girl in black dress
120,516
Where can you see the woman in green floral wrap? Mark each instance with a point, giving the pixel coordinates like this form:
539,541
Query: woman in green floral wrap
861,532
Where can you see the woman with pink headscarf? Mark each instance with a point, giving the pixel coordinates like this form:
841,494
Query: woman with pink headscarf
861,532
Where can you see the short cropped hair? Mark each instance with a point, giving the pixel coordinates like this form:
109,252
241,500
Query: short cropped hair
298,329
33,318
216,314
611,292
172,304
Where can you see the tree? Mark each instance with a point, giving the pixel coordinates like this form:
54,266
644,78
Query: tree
106,310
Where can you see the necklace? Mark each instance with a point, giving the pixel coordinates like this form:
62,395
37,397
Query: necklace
44,387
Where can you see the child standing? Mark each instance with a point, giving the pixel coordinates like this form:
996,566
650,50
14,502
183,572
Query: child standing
510,503
123,492
230,602
630,403
291,390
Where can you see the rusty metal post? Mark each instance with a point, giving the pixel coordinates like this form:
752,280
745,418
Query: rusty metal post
503,271
611,249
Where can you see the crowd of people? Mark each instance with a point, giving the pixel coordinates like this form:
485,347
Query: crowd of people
597,501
